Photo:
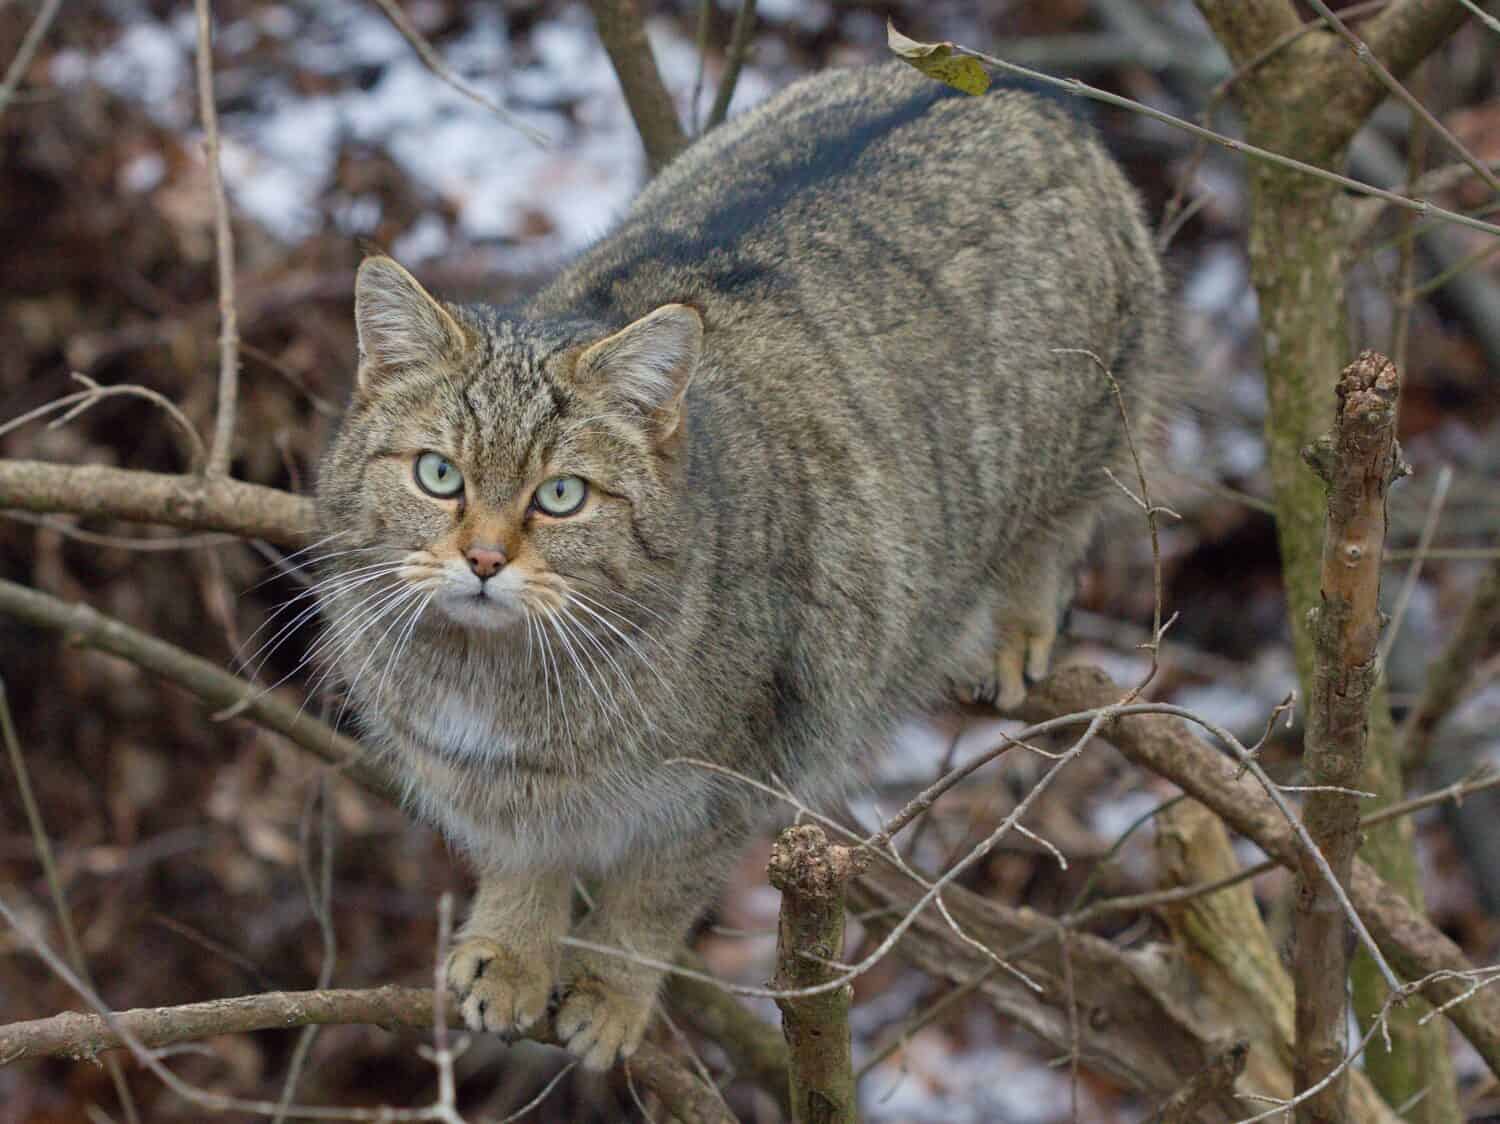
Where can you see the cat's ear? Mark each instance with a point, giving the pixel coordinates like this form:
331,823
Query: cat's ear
400,325
648,364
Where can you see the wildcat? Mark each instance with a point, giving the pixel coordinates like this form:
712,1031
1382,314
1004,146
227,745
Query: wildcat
772,466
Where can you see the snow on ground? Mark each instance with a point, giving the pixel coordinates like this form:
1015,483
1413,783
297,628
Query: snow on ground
281,149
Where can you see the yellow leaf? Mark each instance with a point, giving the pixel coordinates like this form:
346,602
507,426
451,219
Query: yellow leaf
940,61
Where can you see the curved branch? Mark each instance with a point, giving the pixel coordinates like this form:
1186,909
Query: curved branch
194,503
218,688
74,1035
1165,746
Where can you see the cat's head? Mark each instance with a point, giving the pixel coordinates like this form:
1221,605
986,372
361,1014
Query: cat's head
505,467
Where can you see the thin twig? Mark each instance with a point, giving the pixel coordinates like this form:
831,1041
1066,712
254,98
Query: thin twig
319,890
1083,89
33,39
1173,215
229,334
1172,751
442,1053
1450,673
1364,213
120,542
705,15
42,842
1402,94
1413,293
81,400
1414,571
434,62
216,687
1416,156
1150,509
739,46
1482,16
146,1031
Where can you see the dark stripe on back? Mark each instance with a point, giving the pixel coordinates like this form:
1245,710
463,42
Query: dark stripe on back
845,133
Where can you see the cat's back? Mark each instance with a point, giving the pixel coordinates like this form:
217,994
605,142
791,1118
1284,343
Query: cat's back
878,157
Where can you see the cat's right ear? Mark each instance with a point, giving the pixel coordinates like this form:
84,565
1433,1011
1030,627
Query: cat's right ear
401,326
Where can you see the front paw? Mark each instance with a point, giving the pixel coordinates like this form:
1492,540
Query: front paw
602,1021
498,990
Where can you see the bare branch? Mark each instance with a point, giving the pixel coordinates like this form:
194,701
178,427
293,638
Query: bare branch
1415,947
194,503
1208,1084
623,34
81,400
434,62
1482,16
739,47
812,874
74,1035
1358,461
1449,674
1149,1039
33,39
1363,52
1083,89
1406,33
1249,29
84,625
229,334
43,846
1364,213
755,1048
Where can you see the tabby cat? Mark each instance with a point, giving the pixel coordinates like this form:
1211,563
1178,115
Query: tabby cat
808,439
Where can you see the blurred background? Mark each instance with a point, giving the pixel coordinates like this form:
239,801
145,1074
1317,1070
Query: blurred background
184,841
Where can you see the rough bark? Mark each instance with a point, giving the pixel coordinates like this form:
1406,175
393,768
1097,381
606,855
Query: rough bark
623,34
1358,461
812,875
1307,101
195,503
1167,747
84,1037
1137,1016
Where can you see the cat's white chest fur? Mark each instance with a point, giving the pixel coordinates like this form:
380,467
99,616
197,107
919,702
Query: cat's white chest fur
523,820
465,732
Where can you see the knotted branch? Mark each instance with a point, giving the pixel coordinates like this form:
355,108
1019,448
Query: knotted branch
812,875
1358,460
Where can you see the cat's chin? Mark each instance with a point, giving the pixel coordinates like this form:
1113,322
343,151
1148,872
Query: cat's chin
481,612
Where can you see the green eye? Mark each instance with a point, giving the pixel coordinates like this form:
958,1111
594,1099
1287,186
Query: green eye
561,495
438,476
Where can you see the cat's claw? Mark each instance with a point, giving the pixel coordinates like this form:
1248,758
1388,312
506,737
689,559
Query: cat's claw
1022,660
497,990
600,1023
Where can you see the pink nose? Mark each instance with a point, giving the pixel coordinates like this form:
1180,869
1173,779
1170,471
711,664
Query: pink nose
485,561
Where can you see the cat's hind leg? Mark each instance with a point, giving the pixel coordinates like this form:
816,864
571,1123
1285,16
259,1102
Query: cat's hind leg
1035,589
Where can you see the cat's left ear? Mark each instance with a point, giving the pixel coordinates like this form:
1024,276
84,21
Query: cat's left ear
648,365
401,326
